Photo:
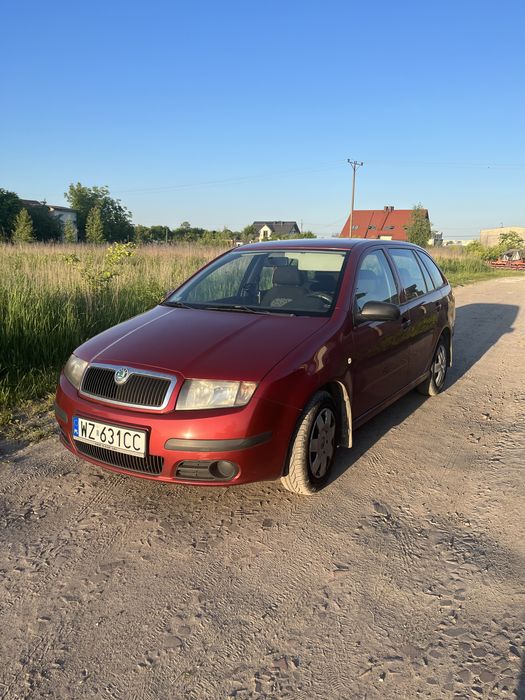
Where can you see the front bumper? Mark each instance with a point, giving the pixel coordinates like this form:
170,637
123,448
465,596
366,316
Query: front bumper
188,445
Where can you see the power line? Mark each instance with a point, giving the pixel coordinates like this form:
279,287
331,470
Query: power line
448,164
239,179
236,180
332,165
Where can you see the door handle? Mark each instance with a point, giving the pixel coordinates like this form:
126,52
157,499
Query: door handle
405,322
439,305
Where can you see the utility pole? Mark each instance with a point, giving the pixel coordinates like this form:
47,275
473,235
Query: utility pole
354,164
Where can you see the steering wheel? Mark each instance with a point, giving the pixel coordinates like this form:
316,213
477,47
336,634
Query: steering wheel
324,296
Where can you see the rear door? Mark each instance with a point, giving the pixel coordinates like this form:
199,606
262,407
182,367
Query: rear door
379,349
420,308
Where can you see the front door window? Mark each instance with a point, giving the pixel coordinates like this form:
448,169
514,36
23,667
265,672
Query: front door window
375,281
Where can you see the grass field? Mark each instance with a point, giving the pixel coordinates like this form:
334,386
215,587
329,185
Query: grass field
460,267
53,297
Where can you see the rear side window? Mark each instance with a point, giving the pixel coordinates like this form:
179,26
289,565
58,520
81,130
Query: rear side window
428,282
409,271
375,281
433,270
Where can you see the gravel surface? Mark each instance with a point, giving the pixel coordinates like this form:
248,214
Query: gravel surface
404,578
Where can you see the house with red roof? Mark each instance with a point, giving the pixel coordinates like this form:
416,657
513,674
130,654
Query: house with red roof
387,224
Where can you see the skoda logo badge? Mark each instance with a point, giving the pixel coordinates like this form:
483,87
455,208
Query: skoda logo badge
121,375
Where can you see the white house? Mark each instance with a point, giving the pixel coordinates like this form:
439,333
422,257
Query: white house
281,229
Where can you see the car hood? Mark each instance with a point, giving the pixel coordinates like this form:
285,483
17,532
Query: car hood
202,344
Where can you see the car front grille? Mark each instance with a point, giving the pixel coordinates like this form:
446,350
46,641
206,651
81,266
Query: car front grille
140,389
151,464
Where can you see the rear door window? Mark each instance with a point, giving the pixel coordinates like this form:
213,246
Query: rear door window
428,281
409,272
433,270
375,281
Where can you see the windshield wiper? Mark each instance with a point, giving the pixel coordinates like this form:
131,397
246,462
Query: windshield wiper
178,305
246,309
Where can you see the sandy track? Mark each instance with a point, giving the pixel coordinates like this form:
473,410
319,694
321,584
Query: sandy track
405,578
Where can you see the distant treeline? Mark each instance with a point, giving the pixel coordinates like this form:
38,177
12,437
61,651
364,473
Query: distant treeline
100,219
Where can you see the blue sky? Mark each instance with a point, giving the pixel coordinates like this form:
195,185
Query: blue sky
220,113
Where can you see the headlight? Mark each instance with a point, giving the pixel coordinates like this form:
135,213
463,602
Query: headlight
204,393
74,370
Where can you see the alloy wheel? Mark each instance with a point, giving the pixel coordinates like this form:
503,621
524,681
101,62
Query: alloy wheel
439,368
322,443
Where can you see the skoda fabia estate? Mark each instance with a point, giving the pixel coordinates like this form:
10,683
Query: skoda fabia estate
260,364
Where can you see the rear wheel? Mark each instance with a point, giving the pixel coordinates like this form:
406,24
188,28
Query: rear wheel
313,446
438,371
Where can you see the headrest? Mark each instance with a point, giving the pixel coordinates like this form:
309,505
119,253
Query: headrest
327,281
288,275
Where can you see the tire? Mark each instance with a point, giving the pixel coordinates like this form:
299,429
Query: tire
438,371
313,446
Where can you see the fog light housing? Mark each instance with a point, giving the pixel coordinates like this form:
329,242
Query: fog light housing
224,470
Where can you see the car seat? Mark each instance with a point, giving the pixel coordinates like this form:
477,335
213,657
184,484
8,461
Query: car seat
286,288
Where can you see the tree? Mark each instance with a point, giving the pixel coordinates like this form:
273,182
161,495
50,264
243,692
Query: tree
249,233
94,226
305,234
46,226
141,234
116,219
278,237
509,240
10,205
23,230
419,230
475,248
69,232
186,232
160,233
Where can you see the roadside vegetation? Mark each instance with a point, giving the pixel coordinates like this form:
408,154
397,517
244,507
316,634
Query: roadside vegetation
471,263
53,297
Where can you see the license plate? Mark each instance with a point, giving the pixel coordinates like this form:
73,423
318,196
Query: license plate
112,437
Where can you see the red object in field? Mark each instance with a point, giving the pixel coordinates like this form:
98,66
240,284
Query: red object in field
510,260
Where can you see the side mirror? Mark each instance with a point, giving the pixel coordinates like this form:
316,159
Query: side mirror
378,311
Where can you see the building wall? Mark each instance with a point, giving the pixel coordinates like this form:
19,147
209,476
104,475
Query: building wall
490,236
265,233
66,216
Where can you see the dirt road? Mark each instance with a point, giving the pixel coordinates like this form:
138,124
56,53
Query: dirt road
405,578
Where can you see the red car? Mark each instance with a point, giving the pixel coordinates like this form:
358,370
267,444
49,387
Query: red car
260,364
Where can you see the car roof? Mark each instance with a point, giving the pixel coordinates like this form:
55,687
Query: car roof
323,244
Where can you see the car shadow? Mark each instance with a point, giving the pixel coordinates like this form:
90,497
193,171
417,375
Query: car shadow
365,437
520,690
478,328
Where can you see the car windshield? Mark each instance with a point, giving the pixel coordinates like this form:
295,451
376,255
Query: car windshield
290,282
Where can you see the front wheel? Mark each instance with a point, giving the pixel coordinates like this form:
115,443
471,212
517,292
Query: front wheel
313,447
438,371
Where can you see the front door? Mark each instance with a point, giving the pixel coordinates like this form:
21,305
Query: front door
379,349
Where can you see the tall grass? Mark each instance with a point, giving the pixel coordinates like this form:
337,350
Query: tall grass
51,301
461,264
53,297
460,267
